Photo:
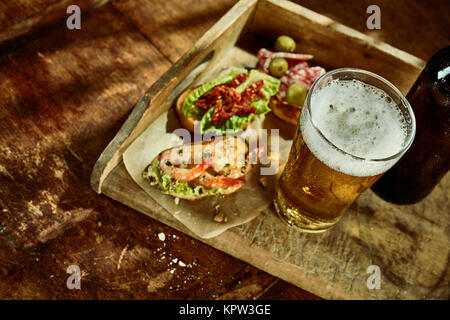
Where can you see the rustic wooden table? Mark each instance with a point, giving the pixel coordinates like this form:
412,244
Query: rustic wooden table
64,94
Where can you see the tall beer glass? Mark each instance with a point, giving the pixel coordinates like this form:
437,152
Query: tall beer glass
354,126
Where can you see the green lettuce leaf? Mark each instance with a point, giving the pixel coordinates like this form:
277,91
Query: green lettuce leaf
230,125
270,83
158,178
235,123
188,106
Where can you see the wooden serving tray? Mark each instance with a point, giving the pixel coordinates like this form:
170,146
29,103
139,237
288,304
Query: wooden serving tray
410,244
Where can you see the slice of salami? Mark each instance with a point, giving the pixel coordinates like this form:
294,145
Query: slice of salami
266,56
263,56
299,74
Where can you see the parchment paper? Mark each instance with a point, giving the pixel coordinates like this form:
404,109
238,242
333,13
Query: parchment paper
239,207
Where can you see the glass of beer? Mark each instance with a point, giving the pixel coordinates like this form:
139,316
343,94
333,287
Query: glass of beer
354,126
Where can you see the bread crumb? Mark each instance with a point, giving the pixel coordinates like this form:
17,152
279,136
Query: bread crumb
176,200
220,217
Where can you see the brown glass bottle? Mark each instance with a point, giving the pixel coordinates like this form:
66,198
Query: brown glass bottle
428,159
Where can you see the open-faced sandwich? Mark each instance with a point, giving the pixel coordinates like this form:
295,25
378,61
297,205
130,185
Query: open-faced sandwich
296,77
193,171
227,104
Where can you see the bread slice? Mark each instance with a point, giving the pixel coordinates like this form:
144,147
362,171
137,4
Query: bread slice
224,191
187,122
155,165
284,111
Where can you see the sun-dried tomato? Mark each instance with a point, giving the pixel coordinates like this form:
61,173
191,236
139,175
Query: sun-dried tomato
236,81
228,101
253,91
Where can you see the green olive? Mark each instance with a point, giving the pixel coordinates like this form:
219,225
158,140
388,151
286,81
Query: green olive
278,67
296,94
285,44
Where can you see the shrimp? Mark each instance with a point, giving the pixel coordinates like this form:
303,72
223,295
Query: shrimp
177,162
226,157
234,177
209,181
252,157
230,157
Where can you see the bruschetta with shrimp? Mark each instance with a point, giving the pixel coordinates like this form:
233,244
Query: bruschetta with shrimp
193,171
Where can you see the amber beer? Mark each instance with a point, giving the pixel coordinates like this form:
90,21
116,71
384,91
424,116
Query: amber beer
354,126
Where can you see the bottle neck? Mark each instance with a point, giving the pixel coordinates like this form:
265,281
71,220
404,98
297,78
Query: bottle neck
432,89
438,69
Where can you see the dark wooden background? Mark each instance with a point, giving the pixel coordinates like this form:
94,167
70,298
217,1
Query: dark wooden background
64,95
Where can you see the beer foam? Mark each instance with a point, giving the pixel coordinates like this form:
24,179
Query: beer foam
359,119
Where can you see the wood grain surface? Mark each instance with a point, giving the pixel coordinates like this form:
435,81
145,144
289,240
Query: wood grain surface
20,18
332,265
64,94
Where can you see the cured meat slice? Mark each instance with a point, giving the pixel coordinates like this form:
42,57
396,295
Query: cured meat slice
299,74
266,56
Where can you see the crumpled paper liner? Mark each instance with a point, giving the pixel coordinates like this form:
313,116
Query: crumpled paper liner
198,215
